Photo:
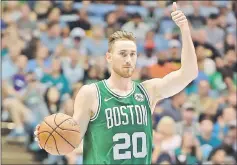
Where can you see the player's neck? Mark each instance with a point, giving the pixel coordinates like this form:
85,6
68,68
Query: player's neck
123,84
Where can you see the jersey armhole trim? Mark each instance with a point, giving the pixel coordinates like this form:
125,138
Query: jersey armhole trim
146,94
98,108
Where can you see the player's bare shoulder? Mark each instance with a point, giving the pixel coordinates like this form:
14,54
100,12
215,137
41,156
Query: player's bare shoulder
88,97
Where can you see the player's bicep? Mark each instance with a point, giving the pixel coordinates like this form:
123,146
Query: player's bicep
168,86
83,107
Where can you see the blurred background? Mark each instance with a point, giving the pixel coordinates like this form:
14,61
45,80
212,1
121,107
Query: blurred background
49,49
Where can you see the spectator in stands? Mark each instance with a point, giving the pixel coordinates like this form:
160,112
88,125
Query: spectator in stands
166,24
231,139
228,79
30,49
206,65
137,26
4,48
231,60
149,57
54,16
206,139
232,100
20,115
174,52
168,139
144,74
52,100
72,70
217,156
26,109
121,14
172,107
215,35
203,100
75,39
42,9
195,18
230,42
188,123
65,32
25,23
17,83
112,24
97,45
220,128
151,18
67,8
41,63
91,75
9,67
223,79
229,115
57,78
12,11
14,85
228,16
200,38
163,66
83,21
52,37
19,79
189,152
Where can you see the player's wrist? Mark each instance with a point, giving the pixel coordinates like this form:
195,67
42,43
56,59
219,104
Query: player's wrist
185,28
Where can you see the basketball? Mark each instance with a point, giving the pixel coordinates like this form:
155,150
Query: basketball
59,134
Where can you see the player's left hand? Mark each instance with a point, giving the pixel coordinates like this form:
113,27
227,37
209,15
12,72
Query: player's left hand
178,17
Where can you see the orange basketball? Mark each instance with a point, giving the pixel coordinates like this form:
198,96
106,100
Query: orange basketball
59,134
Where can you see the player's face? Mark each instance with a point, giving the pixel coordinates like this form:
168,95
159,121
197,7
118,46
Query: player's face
123,58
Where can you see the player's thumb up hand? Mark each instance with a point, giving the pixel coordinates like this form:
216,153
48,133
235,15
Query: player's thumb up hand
178,16
36,135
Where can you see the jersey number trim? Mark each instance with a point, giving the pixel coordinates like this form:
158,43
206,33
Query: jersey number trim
127,143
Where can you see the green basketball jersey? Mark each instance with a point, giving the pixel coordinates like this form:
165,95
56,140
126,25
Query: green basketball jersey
121,131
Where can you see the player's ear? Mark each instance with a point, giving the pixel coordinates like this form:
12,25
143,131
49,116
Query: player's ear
108,57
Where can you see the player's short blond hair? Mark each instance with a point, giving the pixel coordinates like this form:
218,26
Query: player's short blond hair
120,35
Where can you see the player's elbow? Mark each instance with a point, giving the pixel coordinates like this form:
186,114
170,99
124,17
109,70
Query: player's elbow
189,75
195,74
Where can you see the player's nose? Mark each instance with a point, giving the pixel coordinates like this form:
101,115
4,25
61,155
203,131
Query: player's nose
128,60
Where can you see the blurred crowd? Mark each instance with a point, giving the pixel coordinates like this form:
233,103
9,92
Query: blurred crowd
49,49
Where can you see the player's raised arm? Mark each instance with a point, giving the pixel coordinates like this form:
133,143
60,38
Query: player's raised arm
176,81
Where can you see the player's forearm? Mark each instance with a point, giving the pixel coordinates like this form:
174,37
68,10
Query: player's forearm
189,65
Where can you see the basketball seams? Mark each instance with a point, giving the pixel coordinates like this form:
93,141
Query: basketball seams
67,130
59,134
55,144
43,132
58,126
61,122
51,132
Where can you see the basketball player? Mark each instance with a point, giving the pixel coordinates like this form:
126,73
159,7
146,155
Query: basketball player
114,115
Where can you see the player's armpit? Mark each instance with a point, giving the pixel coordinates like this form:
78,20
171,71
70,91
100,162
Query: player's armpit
171,84
84,105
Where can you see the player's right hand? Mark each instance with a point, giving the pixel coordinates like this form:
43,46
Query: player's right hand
36,135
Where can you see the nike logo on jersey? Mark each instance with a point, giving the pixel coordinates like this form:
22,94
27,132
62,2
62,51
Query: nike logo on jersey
107,99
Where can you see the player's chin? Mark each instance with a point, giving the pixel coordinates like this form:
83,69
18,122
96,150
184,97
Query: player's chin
127,74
